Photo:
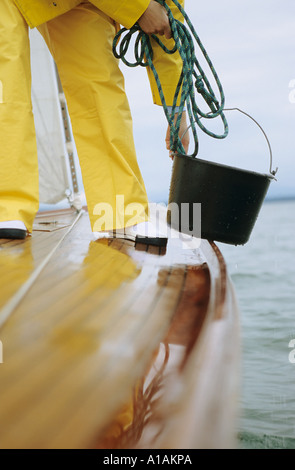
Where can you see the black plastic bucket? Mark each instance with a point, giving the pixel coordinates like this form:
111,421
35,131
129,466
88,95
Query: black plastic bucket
230,199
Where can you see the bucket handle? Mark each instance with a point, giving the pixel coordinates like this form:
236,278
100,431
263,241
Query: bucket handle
271,171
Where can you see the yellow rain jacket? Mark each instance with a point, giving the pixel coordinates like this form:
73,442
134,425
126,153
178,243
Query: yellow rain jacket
125,12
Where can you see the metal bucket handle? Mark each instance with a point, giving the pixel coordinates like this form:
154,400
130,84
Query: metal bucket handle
271,171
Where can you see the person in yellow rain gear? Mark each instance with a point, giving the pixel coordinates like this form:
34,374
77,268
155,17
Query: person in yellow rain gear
79,35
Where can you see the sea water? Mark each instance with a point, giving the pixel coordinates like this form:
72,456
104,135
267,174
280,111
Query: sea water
263,273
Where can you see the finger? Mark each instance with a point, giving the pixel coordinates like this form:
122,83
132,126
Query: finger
167,28
168,32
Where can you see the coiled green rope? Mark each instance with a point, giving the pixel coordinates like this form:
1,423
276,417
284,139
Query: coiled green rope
192,76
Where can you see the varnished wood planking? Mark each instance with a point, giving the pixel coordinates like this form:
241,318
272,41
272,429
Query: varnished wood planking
71,317
85,334
198,407
19,258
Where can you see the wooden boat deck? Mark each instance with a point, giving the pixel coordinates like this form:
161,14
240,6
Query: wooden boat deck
105,334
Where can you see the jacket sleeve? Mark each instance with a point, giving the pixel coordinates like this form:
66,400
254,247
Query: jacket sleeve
37,12
168,66
124,12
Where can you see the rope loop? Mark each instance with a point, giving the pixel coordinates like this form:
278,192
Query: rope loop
192,76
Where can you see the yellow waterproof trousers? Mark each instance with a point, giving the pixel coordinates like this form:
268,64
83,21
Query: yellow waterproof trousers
18,149
81,44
